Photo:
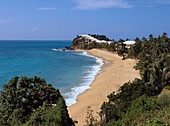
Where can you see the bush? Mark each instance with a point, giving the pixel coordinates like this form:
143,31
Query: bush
121,52
142,105
51,116
90,119
164,99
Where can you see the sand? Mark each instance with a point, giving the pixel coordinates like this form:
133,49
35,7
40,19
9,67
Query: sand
115,72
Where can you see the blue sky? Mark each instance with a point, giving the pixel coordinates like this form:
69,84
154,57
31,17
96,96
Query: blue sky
65,19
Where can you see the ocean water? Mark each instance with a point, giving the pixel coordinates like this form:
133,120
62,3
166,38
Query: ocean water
70,71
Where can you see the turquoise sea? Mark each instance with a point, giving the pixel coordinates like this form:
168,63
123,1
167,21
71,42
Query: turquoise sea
70,71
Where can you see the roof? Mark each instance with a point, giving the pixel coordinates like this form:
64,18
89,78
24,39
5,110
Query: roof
94,39
129,42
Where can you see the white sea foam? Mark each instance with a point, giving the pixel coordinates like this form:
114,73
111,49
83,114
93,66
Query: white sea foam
98,60
60,50
86,81
83,54
55,49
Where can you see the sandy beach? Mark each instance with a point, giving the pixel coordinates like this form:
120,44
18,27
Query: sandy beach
115,72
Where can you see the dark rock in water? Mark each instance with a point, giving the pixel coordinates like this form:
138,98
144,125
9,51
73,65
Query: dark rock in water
60,49
71,48
66,47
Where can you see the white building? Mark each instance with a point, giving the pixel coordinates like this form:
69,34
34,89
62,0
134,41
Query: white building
89,39
129,44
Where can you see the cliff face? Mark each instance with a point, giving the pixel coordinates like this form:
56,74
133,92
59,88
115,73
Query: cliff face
78,43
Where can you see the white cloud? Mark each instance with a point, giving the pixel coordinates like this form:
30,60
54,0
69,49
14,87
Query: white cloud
97,4
5,21
34,29
47,8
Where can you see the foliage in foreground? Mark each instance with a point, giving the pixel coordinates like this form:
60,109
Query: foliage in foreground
30,101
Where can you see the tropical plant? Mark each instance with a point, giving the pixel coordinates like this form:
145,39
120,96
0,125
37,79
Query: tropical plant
20,99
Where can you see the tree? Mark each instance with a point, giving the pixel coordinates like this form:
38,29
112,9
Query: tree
21,98
135,50
51,116
120,52
121,40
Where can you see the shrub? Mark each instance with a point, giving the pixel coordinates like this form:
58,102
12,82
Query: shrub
164,99
121,52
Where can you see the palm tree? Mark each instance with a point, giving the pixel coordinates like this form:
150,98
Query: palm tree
157,73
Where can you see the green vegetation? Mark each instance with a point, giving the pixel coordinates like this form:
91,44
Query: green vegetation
30,101
119,47
144,101
79,43
90,119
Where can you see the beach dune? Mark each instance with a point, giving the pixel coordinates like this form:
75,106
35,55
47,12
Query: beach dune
115,72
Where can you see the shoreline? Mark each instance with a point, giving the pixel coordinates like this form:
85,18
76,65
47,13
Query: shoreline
114,73
105,64
87,79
